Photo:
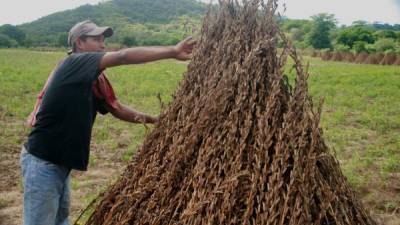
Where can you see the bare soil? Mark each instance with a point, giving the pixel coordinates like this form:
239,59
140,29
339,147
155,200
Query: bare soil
108,166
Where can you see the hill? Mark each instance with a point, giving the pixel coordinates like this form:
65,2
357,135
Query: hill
125,16
165,22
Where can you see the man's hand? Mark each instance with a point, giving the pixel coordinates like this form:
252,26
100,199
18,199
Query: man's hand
181,51
184,49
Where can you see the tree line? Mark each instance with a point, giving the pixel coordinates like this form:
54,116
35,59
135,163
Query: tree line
135,22
320,32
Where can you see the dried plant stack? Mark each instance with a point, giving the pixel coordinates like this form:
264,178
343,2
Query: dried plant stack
237,144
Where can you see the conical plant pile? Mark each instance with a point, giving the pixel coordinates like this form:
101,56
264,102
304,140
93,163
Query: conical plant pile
314,54
326,55
389,59
361,57
337,56
397,62
238,144
375,58
349,57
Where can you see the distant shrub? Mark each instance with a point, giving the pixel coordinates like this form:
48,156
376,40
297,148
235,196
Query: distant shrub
370,48
350,36
301,44
385,44
62,40
129,41
341,48
360,46
14,33
113,46
385,34
6,41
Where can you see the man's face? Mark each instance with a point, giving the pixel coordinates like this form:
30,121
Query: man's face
92,44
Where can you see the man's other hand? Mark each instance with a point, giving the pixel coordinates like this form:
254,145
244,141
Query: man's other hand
184,49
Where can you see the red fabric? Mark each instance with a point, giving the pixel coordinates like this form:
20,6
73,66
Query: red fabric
101,88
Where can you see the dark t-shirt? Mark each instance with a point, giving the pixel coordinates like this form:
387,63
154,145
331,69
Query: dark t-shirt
64,122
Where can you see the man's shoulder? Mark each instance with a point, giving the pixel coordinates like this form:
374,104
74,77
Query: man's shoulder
83,55
82,59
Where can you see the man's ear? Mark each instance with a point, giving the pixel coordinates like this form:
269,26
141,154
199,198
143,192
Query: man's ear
79,44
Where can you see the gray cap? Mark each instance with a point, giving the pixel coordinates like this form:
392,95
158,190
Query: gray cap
87,28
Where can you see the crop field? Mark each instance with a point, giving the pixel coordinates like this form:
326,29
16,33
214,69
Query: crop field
360,120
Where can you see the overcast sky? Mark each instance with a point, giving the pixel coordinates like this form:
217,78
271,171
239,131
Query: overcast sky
388,11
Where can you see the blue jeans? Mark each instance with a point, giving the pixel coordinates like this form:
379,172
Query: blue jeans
46,191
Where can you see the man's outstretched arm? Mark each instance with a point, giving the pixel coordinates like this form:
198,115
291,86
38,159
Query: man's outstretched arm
127,114
181,51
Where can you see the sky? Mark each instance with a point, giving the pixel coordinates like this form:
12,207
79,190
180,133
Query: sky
346,11
16,12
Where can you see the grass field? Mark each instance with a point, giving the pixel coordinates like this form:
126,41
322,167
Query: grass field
361,123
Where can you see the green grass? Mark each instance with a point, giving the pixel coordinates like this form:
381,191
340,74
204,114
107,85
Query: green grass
361,116
361,113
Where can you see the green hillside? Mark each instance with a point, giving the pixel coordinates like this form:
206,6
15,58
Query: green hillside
125,16
165,22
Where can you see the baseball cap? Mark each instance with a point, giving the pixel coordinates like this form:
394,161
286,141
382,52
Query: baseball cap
87,28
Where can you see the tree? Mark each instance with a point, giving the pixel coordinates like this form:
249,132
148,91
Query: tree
361,23
62,40
360,46
351,35
385,44
303,25
129,41
386,34
319,36
6,41
385,26
13,32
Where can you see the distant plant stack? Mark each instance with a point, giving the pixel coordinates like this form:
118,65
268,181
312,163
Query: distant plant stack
337,56
397,62
389,59
348,57
361,58
326,56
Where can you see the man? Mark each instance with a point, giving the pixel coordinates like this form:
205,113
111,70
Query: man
60,138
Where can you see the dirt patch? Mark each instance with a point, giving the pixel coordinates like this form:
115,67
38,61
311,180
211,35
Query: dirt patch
10,190
383,199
